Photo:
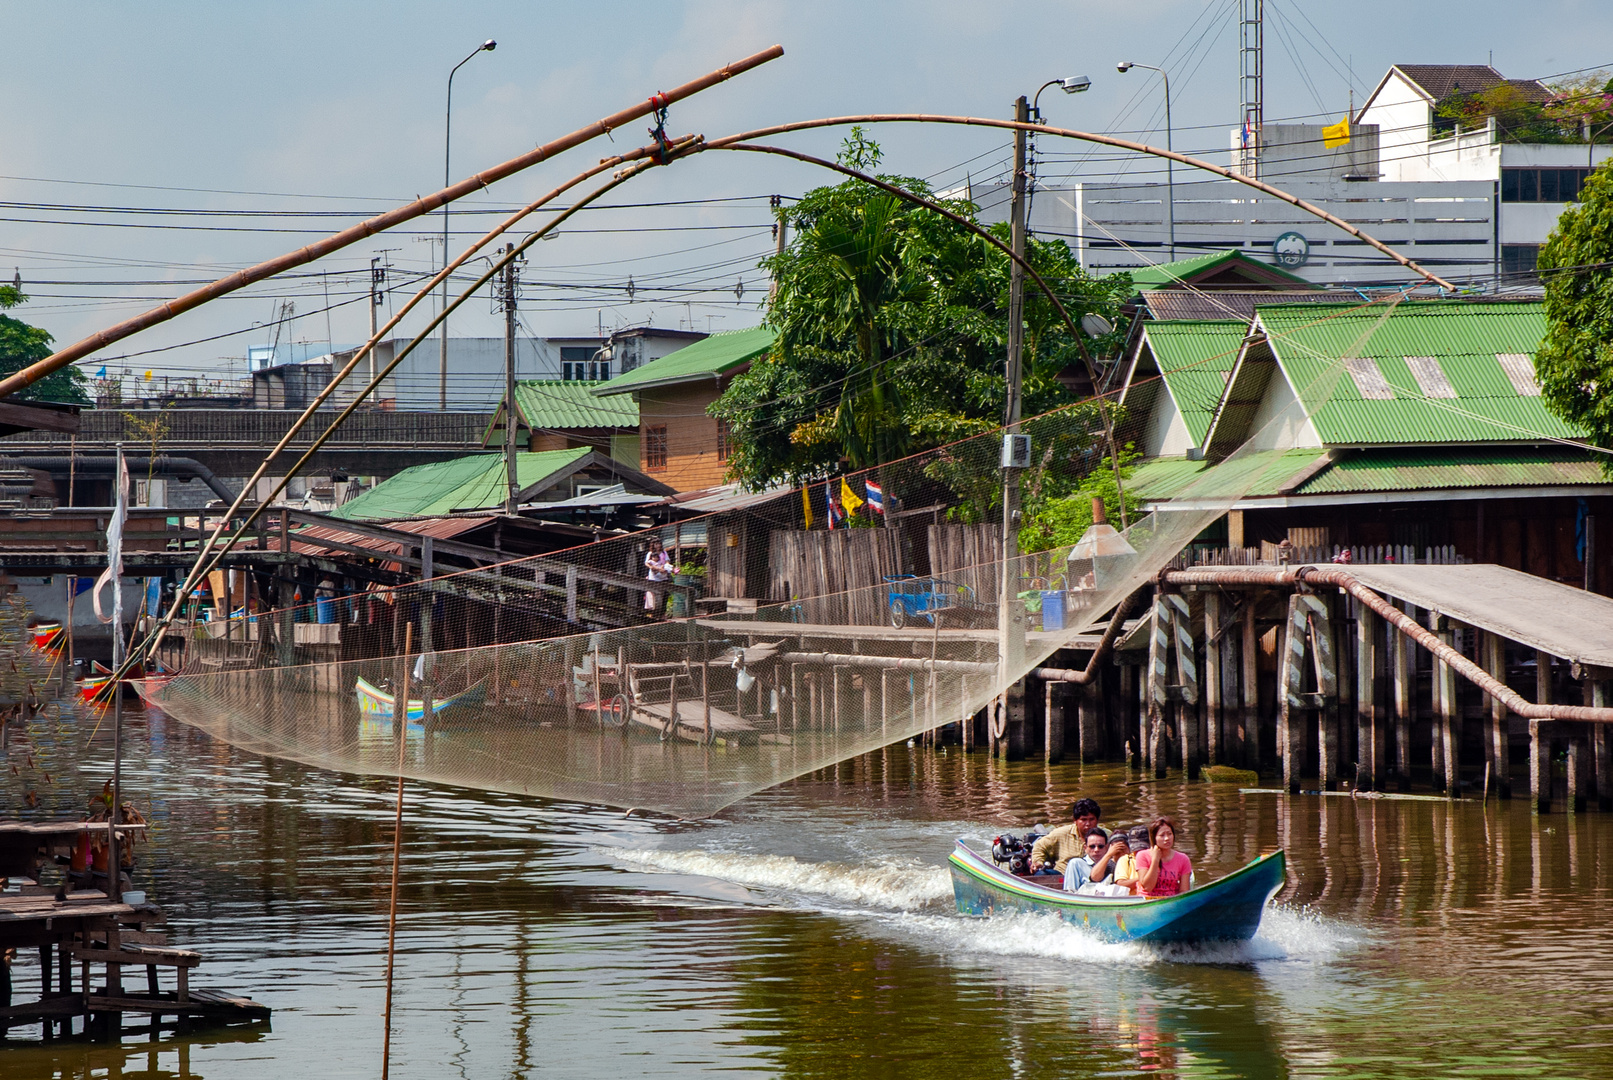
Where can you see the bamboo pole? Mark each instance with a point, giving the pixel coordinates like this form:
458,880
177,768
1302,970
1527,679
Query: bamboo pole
400,708
381,222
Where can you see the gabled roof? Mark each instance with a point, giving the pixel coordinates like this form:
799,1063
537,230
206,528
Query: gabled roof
1223,303
562,405
1194,358
712,358
475,482
1436,82
1455,388
1230,268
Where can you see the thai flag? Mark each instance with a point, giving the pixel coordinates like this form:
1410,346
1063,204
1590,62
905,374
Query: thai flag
837,512
876,497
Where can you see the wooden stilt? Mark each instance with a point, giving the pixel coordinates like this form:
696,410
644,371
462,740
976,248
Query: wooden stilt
1290,735
1496,750
1579,773
1324,660
1540,765
1187,696
1159,640
1450,717
1602,749
1053,724
1369,740
1402,679
1249,680
1212,679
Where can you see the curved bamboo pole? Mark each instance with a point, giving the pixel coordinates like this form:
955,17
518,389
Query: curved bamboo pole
642,158
1084,136
420,207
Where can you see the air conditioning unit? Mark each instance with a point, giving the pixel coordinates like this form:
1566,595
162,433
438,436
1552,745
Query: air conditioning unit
1016,451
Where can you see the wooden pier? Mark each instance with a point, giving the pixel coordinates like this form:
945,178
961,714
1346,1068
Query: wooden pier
87,943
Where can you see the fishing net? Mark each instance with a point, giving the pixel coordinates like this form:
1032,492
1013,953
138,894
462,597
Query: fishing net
571,676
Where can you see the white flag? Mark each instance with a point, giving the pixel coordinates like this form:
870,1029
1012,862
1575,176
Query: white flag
113,574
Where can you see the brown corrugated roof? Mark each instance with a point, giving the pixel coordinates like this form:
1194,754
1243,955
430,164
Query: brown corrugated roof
305,541
1231,303
1440,81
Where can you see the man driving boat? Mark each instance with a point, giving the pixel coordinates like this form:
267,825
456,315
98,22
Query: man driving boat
1067,841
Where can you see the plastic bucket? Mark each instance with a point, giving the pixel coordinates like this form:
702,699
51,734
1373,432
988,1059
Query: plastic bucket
1053,610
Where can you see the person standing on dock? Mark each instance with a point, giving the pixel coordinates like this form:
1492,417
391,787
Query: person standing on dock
659,564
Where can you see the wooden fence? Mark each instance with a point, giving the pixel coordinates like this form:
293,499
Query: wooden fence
1268,553
838,576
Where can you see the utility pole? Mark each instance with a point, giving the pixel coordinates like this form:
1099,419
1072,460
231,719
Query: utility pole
377,279
508,297
1008,634
1252,82
777,204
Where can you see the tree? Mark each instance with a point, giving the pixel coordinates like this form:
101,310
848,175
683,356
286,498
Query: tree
892,324
21,345
1574,364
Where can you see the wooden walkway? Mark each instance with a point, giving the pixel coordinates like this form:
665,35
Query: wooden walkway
757,628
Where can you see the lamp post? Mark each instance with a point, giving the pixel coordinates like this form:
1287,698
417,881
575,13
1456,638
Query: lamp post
447,131
1170,172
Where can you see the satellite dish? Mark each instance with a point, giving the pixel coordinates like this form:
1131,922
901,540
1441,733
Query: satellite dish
1096,325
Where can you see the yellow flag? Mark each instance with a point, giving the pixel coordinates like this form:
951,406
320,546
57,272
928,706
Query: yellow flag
148,376
1336,134
806,504
848,498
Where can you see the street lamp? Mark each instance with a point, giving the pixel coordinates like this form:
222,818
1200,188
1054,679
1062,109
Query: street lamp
1075,84
447,130
1170,172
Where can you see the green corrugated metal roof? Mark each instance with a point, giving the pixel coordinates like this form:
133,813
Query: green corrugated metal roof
1465,339
1365,472
552,403
1438,470
1194,358
468,483
704,359
1164,274
1246,476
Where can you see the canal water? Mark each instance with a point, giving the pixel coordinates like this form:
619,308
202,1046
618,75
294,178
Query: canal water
808,931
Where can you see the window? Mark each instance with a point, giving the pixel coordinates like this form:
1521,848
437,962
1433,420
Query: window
1519,258
655,449
575,361
725,441
1430,377
1542,185
1369,381
1520,371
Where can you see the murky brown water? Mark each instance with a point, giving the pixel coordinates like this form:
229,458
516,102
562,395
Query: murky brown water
809,932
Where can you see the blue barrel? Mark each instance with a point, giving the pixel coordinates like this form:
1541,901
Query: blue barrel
1053,610
326,609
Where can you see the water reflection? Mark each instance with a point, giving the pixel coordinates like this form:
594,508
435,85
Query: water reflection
808,931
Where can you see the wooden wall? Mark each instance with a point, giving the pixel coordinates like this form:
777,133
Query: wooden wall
970,555
846,568
691,435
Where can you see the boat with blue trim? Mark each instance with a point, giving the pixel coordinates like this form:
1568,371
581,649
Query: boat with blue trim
1228,909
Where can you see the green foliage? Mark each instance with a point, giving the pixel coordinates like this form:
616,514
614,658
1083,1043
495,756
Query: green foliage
1585,101
21,345
892,327
1574,364
1053,520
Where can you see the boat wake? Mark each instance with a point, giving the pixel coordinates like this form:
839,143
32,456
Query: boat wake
910,897
892,884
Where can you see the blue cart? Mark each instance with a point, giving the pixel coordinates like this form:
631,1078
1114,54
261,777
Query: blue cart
910,598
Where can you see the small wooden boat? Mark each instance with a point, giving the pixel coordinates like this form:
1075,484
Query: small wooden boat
375,703
49,637
1225,910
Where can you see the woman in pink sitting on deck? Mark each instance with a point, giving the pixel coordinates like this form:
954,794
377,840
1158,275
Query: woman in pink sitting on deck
1162,870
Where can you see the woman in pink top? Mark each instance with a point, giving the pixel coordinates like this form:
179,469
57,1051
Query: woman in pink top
1162,870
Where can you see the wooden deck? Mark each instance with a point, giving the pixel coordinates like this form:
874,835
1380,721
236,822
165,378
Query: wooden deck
756,628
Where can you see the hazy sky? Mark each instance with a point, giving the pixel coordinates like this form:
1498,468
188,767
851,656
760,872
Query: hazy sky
336,108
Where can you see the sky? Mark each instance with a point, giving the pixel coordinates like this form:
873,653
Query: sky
257,128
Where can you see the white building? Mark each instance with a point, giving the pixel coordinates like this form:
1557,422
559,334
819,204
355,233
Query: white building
1533,181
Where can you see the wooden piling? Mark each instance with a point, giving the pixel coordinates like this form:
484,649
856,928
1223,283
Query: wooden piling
1159,639
1579,773
1540,765
1497,753
1187,686
1086,705
1602,749
1369,740
1450,717
1053,723
1403,677
1212,679
1324,662
1249,710
1290,735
